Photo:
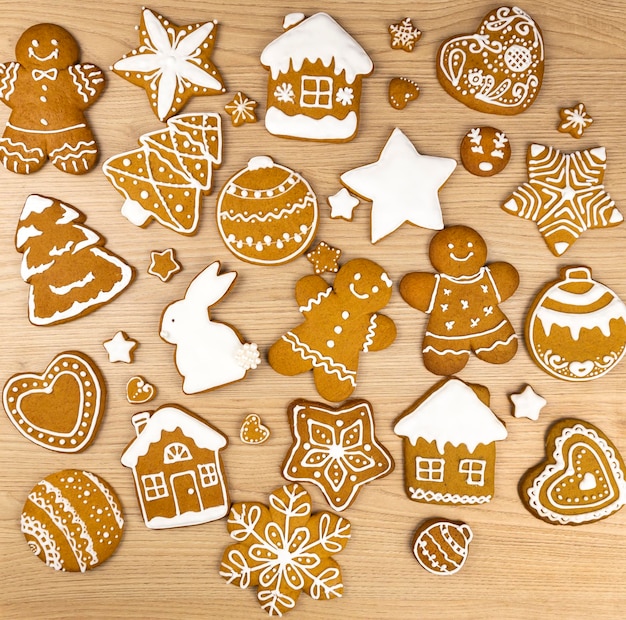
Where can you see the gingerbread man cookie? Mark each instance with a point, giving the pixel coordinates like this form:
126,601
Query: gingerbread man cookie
48,91
462,301
340,321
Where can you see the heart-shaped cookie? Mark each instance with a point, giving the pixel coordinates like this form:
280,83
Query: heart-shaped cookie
59,409
139,391
583,478
499,68
401,91
252,430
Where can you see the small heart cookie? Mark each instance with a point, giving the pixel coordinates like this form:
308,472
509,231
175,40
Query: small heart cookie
582,480
139,391
253,431
401,91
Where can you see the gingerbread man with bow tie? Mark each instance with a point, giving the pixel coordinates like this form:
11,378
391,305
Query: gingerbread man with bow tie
48,91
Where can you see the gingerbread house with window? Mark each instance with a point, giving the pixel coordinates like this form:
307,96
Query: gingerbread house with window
449,444
179,476
314,87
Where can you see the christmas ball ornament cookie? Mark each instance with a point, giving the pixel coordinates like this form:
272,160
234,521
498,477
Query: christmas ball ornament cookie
576,327
267,214
441,546
72,520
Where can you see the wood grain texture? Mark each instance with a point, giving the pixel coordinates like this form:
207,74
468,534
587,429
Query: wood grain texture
519,567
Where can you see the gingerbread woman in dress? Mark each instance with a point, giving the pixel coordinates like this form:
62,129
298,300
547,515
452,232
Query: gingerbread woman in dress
47,91
340,321
462,301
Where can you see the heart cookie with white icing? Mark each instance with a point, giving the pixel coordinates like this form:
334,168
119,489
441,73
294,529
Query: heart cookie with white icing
582,480
253,431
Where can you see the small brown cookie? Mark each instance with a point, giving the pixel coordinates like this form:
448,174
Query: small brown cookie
253,431
404,35
139,391
241,109
574,120
324,258
401,91
163,264
441,546
485,151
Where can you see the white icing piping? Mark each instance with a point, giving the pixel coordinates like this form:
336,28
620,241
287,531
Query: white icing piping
465,336
371,333
308,201
448,498
117,513
316,300
33,527
496,344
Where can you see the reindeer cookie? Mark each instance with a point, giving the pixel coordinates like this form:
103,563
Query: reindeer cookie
462,301
48,91
208,353
340,321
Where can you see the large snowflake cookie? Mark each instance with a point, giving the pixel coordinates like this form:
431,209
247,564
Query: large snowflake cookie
48,91
497,69
463,302
564,195
335,449
172,63
581,480
283,549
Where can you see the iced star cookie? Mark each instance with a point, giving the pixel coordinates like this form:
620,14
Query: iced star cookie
72,520
485,151
497,69
284,550
574,121
120,348
172,63
67,266
267,214
576,327
441,546
48,91
324,258
340,321
314,87
462,300
564,195
527,403
163,265
336,449
342,204
241,109
404,35
61,408
581,480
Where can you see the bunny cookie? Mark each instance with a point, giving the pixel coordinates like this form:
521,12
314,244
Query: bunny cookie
209,354
340,321
47,91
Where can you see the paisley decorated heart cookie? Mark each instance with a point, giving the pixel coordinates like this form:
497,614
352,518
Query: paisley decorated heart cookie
61,408
497,69
582,479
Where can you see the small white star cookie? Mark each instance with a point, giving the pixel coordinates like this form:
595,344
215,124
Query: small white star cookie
527,404
120,348
342,204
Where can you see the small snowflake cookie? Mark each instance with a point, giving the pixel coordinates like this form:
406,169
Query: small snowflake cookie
241,109
574,120
404,35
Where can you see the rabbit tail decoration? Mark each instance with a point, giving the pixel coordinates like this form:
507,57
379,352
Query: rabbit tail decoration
209,354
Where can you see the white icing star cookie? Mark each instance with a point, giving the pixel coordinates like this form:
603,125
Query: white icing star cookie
342,204
527,404
120,348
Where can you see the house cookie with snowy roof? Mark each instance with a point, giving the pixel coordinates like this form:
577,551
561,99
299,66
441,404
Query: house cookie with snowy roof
449,444
314,87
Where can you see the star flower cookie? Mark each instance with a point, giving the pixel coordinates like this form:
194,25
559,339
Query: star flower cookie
564,195
342,204
574,120
324,258
241,109
120,348
335,449
527,404
404,35
163,264
283,549
172,63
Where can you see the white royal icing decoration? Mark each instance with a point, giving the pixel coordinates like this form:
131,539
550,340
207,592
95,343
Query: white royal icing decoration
527,403
120,348
342,204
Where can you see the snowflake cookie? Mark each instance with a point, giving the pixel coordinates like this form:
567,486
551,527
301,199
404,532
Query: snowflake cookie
283,549
574,120
241,109
404,35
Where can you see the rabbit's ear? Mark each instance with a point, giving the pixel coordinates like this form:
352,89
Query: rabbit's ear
208,287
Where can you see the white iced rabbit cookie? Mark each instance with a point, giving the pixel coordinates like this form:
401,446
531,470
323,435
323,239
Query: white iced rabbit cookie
209,354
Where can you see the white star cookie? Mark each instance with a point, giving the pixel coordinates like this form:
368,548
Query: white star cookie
342,204
403,186
527,404
120,348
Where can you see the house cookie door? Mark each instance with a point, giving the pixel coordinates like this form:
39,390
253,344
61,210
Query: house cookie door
186,492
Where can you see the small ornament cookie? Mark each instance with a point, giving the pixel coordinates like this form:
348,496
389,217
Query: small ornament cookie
450,436
167,176
209,354
241,109
485,151
527,404
564,195
576,327
139,391
61,408
462,300
404,35
48,91
324,258
178,472
172,63
402,185
499,68
401,91
581,480
267,214
574,120
253,431
283,549
72,520
163,264
340,321
66,264
336,449
441,546
120,348
314,86
342,204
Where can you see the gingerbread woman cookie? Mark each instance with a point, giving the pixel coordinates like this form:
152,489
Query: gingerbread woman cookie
48,91
340,321
462,301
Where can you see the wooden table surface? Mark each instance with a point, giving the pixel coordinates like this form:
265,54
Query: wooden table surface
519,567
